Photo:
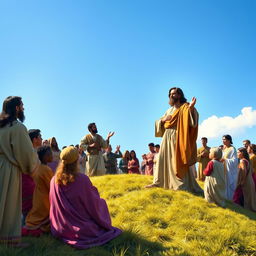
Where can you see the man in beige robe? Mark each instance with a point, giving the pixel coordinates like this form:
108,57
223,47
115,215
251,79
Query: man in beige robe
203,158
16,156
178,128
93,143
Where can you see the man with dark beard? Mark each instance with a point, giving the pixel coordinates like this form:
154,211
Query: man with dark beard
16,156
178,152
93,144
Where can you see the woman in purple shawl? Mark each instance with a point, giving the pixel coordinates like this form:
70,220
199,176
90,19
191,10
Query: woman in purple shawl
78,215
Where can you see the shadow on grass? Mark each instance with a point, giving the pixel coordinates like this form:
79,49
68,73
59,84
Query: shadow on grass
234,207
239,209
127,244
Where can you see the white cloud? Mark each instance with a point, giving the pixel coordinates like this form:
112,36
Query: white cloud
215,127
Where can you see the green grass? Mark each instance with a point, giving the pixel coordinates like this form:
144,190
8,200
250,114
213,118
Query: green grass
159,222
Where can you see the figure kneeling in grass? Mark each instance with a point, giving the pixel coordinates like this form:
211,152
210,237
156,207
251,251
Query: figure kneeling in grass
37,220
215,186
78,215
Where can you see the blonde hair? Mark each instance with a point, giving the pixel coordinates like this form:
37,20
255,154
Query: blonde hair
66,173
215,153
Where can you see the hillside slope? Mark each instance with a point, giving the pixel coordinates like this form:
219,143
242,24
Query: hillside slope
160,222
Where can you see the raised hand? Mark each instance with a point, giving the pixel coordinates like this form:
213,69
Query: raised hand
192,103
110,134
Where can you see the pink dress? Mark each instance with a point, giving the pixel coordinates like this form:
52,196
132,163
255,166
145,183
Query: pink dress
134,166
149,163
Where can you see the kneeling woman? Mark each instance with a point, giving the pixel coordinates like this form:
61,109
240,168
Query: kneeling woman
78,215
215,185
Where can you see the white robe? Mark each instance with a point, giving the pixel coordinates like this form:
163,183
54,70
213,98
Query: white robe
231,165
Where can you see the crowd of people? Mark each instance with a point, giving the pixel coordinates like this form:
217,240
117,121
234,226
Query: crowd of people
45,189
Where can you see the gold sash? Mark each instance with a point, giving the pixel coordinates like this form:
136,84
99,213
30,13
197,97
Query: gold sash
186,151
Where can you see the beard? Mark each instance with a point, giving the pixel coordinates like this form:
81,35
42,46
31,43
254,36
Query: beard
173,101
21,116
94,130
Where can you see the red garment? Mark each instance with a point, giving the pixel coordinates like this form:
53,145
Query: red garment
134,166
209,168
28,187
238,196
254,179
149,163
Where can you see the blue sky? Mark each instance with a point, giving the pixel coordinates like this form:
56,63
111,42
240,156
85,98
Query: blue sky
113,62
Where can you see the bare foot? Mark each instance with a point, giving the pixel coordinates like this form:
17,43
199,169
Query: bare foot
151,186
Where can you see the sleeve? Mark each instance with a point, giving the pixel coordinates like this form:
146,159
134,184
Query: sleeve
84,143
232,162
193,118
95,206
23,150
159,128
137,163
118,155
120,163
198,155
103,143
209,168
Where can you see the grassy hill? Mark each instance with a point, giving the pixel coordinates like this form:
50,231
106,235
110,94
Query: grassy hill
159,222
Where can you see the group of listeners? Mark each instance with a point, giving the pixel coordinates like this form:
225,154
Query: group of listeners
58,197
228,173
100,159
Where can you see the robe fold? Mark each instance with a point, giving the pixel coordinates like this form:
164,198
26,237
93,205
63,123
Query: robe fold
178,150
202,161
245,193
17,156
79,217
231,163
38,216
215,183
149,168
95,165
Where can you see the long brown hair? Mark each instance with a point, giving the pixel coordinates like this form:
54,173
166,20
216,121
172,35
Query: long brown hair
8,114
54,147
180,92
66,173
245,153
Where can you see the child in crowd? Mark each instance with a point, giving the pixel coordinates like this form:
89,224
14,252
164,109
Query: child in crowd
214,186
37,220
79,217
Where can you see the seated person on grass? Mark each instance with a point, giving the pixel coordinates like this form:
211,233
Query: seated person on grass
37,220
79,217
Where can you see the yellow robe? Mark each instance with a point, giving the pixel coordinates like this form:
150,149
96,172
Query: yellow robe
17,156
38,216
202,161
